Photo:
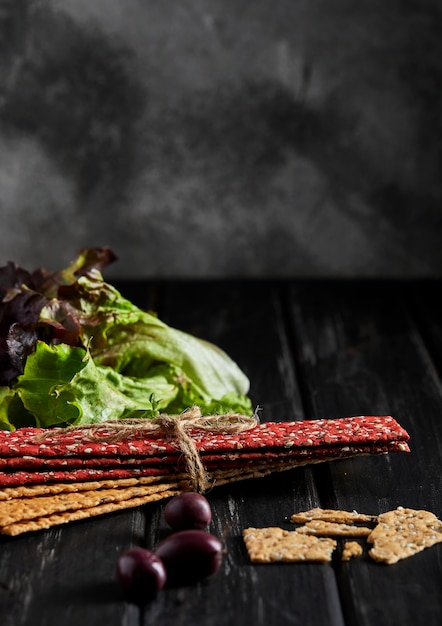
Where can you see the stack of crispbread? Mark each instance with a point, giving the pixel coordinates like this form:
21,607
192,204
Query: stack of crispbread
53,477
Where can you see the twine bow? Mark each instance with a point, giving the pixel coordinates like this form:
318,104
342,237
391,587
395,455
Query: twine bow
175,427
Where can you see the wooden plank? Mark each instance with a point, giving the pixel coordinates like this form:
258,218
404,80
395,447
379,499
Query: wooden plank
247,321
424,300
360,352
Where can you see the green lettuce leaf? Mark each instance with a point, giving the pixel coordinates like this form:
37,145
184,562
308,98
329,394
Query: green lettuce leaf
6,397
136,343
61,385
105,358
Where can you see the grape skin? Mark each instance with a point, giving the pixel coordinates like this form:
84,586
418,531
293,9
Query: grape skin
141,574
189,510
190,556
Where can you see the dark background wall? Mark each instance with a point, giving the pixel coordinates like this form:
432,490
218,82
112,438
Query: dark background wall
223,137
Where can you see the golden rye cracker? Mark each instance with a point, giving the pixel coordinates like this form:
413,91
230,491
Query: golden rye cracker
331,515
402,533
20,509
38,503
56,519
351,550
34,501
273,544
42,489
321,528
30,491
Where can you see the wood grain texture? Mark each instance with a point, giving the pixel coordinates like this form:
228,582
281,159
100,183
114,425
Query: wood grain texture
311,349
360,350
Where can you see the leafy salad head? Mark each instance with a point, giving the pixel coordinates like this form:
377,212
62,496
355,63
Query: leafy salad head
73,350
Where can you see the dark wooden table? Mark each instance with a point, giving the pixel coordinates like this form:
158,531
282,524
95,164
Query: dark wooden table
311,349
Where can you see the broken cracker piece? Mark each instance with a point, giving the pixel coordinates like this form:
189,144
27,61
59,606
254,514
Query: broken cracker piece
322,528
331,515
351,550
402,533
273,544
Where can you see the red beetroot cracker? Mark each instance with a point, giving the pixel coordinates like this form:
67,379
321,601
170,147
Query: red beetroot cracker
32,456
305,453
259,463
81,462
333,433
79,475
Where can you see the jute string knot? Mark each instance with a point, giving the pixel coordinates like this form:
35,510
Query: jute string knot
174,427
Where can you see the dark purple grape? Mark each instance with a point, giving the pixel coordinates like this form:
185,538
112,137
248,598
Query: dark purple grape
189,556
188,510
141,575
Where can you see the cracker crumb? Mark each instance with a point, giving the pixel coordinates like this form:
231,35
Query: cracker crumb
351,550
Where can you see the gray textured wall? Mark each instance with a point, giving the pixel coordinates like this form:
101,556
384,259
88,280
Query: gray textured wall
223,137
